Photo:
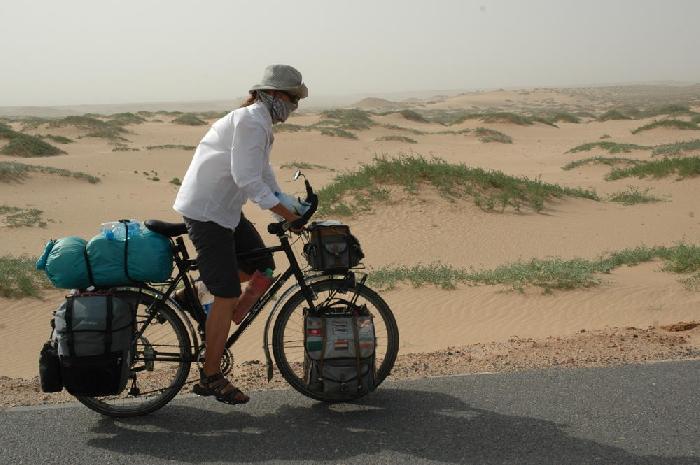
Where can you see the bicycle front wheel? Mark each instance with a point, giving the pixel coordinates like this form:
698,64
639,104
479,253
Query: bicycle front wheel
160,362
288,332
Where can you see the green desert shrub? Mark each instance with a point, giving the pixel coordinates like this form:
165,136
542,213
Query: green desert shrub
347,119
490,190
95,127
125,148
58,139
632,196
16,217
337,132
123,119
451,117
670,109
405,139
413,116
506,117
609,161
189,119
547,274
33,122
682,167
565,117
6,132
302,165
23,145
611,147
395,127
19,278
667,123
11,171
491,135
454,132
287,127
613,115
677,148
171,146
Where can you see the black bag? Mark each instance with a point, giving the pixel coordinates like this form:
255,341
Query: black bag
332,248
94,334
50,368
339,356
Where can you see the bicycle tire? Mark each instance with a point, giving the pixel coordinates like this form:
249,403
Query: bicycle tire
126,405
290,369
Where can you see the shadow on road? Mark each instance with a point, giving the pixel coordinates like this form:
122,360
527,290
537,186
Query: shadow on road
419,424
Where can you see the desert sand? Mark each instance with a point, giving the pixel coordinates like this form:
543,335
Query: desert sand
420,229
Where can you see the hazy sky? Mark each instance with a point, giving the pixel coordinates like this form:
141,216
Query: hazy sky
117,51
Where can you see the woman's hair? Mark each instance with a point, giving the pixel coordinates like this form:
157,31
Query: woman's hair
250,100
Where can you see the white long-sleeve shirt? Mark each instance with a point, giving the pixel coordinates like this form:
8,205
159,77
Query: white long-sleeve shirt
230,166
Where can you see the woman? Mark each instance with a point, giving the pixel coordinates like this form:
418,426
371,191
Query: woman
230,166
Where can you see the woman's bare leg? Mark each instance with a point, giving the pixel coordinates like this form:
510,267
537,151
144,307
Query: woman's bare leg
217,328
180,293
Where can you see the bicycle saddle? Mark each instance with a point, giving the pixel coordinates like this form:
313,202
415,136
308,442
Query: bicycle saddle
166,229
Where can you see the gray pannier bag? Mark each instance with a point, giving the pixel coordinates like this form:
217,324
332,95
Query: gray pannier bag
339,356
93,334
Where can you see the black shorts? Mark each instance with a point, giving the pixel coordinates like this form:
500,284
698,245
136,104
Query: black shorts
217,247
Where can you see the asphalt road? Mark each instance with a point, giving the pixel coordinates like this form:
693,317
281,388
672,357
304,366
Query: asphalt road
639,414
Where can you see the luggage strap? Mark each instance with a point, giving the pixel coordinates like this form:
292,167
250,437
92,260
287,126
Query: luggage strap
69,325
89,267
323,346
126,249
356,337
108,324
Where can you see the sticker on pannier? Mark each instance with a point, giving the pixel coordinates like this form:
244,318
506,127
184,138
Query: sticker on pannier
340,354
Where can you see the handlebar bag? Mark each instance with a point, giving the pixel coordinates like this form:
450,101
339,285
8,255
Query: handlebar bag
94,341
340,354
332,248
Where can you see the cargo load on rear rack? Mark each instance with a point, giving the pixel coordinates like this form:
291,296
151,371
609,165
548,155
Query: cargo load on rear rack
71,263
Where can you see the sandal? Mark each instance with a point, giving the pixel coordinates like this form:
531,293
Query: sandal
218,386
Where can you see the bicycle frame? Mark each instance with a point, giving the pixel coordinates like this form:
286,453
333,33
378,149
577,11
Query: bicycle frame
184,265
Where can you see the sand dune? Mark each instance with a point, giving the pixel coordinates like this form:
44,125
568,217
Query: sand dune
409,230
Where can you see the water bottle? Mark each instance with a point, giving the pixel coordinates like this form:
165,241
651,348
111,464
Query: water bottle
117,231
293,204
257,286
205,297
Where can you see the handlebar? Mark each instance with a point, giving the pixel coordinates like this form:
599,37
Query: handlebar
283,226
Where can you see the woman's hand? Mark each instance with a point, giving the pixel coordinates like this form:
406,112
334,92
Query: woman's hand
288,216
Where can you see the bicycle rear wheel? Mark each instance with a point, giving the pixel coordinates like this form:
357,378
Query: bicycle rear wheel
288,332
160,363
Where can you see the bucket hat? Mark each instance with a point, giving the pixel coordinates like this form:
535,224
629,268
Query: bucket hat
282,77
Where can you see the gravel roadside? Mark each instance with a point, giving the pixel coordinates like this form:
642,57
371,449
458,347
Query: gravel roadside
613,346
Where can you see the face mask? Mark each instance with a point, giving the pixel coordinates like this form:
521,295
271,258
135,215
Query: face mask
279,109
